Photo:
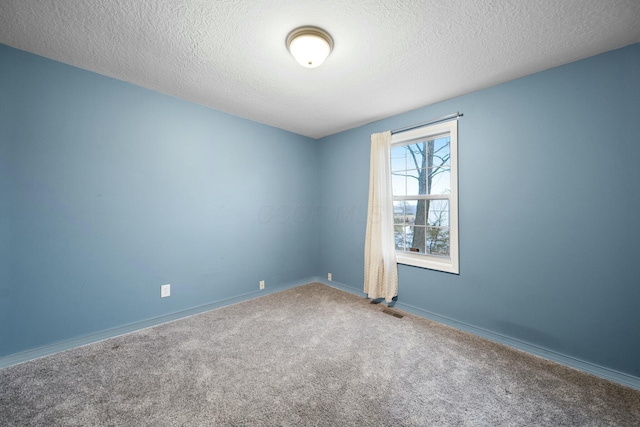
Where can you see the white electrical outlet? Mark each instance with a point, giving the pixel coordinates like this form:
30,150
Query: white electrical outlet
329,276
165,291
261,284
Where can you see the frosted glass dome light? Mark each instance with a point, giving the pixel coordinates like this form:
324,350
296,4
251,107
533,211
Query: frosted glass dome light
310,46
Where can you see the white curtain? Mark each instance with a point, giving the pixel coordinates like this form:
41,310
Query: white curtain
380,267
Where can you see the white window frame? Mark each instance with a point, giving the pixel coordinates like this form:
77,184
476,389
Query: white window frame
450,264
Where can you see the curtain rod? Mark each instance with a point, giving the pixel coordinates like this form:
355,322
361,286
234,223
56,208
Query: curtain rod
430,122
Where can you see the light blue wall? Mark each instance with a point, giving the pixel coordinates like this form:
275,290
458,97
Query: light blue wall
110,190
5,135
549,211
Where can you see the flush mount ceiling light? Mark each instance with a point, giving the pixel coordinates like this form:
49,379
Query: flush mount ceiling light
310,46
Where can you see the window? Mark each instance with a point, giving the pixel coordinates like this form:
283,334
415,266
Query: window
424,179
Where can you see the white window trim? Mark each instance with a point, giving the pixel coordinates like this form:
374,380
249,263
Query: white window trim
450,264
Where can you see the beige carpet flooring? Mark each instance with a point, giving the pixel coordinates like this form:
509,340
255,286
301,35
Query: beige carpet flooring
308,356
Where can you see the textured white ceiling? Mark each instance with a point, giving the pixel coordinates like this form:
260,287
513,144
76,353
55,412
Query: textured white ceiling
390,56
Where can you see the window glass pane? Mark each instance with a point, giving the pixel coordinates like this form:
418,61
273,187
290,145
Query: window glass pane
427,212
399,213
442,151
399,231
398,164
413,181
410,210
420,217
438,213
421,183
422,226
438,180
398,152
428,181
415,154
398,158
426,166
399,184
437,241
417,242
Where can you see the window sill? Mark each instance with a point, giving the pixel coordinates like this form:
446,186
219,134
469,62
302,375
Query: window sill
447,265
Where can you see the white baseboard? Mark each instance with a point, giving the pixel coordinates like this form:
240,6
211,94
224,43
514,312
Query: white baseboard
590,368
24,356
